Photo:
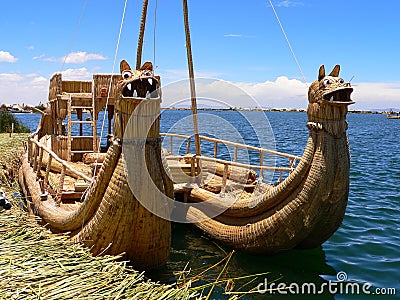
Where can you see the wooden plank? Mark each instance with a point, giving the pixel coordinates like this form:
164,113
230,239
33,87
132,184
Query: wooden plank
71,195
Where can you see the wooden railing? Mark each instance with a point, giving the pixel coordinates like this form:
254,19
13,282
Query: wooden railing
36,152
293,159
175,135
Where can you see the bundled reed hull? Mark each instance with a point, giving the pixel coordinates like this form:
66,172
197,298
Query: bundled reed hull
280,220
111,219
309,205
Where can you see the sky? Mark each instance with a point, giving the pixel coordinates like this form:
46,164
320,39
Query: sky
240,43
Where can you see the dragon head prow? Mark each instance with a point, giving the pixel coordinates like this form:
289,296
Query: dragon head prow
329,97
139,84
330,89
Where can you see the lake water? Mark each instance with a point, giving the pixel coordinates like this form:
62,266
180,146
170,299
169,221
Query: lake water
367,245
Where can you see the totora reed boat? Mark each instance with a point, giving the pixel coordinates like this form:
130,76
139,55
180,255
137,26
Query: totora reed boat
123,199
392,115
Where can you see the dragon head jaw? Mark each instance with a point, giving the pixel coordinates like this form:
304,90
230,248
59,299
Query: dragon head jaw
330,89
139,84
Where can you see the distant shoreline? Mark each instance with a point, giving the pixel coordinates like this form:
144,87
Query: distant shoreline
364,112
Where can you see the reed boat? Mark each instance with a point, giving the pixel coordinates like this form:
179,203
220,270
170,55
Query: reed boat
75,188
308,206
123,198
392,115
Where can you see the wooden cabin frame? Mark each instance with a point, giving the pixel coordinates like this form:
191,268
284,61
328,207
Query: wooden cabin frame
67,97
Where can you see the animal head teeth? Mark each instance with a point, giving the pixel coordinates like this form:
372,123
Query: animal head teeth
331,99
150,81
134,93
129,86
147,95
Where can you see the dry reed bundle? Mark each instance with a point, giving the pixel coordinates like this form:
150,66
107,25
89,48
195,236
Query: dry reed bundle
220,278
9,158
36,264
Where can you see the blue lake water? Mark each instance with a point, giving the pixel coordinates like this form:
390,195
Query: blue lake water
367,245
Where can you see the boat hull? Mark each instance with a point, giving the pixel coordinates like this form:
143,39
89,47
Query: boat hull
303,211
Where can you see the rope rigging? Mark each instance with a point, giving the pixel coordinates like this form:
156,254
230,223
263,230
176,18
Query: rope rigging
189,58
113,69
73,37
288,42
108,97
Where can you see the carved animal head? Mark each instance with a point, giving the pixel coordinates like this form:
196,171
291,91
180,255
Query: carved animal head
330,89
138,83
329,98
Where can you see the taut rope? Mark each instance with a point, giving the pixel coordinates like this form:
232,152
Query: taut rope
108,97
288,42
74,35
112,72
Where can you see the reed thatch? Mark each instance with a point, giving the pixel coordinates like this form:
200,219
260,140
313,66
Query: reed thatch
10,149
308,206
36,264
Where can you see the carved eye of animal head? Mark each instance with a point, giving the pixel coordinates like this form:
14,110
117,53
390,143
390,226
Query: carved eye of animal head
139,83
126,74
330,88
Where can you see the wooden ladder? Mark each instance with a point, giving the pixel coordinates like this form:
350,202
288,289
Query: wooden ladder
79,104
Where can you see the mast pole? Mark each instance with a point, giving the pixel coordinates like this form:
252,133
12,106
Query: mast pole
191,78
141,34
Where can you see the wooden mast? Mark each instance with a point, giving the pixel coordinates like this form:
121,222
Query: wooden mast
141,34
191,78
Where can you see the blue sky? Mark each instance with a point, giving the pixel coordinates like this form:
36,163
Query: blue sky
237,41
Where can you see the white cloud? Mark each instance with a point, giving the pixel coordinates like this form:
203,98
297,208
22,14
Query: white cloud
31,75
23,88
288,3
39,81
5,78
7,57
176,74
280,93
50,59
81,57
77,74
376,95
235,35
38,57
284,92
31,47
